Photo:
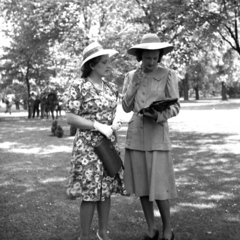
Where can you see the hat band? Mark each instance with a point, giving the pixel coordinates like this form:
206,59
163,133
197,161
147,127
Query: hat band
92,51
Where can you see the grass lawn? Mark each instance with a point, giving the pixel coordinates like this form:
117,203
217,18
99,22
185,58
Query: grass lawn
34,168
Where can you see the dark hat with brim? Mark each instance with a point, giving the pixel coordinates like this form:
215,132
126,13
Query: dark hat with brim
151,41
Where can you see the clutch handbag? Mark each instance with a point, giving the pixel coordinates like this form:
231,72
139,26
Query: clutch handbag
160,105
109,156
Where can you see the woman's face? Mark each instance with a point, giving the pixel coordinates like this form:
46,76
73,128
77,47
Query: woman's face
150,60
102,68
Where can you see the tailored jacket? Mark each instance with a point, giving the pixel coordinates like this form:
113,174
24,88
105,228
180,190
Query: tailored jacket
146,133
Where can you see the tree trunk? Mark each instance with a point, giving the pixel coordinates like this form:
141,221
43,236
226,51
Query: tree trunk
196,93
28,93
224,92
185,88
28,105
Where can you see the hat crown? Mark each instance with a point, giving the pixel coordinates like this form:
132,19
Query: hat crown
91,49
151,41
150,38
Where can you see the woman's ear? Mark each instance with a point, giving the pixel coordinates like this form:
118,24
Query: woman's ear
91,66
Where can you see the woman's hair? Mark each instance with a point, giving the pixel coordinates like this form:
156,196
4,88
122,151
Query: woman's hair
139,53
87,67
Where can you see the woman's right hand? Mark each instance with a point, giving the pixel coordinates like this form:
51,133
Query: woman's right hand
138,77
103,128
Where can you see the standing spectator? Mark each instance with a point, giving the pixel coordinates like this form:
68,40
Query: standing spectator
36,104
30,105
8,103
43,103
17,103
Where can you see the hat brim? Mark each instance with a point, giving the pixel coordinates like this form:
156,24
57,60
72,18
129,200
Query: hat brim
109,52
151,46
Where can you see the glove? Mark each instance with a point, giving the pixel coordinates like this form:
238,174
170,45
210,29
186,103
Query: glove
116,125
103,128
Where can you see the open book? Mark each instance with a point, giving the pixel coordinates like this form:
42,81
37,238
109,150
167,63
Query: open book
159,105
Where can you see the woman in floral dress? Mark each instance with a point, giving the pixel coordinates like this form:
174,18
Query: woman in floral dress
91,108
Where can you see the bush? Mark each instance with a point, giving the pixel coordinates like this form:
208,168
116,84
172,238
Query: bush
233,90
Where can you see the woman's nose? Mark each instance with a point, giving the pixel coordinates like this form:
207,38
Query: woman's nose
109,66
151,61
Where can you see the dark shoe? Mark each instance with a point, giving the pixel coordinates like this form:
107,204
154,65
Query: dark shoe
172,237
155,237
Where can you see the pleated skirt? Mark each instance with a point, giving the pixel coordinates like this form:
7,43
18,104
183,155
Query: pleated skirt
150,174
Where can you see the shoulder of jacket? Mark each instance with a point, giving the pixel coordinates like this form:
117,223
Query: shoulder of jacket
168,72
163,70
130,73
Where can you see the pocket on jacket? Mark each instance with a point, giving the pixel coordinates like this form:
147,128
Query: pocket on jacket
158,83
154,85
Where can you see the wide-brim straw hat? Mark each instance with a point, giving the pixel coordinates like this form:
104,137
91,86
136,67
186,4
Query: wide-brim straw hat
95,50
151,41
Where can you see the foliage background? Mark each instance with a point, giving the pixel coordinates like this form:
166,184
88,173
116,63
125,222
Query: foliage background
46,39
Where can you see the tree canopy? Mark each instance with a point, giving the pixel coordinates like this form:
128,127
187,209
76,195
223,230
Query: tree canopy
47,38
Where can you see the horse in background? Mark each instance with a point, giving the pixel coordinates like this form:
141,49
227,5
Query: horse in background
49,104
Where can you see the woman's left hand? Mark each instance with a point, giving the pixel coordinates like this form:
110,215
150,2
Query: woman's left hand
153,113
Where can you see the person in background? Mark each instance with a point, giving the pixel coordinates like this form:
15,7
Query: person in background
36,104
31,105
8,100
8,103
91,104
148,160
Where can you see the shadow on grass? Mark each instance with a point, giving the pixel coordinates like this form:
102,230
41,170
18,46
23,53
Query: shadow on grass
208,183
34,171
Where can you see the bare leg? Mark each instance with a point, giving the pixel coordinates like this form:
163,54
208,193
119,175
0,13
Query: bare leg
164,208
103,208
86,216
147,207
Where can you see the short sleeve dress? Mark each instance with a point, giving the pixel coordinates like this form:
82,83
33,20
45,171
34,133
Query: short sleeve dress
87,179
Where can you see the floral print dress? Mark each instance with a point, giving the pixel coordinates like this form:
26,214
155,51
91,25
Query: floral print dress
88,180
